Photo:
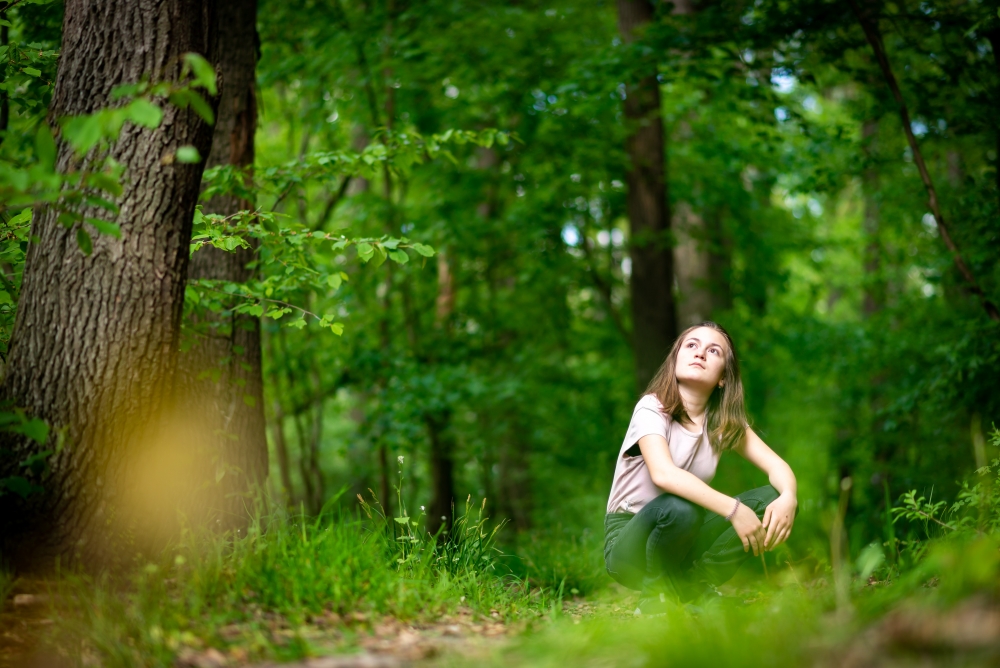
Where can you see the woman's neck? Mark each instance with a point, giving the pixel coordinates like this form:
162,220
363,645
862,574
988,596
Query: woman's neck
694,404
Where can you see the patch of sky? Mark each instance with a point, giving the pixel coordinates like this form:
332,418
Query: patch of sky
782,80
919,127
781,114
930,225
570,235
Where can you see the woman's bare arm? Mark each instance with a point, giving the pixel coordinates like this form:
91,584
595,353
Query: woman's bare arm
670,478
780,514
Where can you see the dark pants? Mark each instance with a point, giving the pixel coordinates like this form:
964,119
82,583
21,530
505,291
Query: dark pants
675,546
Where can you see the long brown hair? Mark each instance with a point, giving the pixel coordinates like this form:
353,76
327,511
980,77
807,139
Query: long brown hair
726,415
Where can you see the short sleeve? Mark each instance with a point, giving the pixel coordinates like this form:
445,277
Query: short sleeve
646,420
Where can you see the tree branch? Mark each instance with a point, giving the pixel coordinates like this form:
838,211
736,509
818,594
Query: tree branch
603,286
874,37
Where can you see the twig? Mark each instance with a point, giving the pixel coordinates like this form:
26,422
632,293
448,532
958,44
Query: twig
875,39
332,203
261,299
603,286
934,519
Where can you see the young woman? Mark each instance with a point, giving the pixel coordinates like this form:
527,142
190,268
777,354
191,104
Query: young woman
667,533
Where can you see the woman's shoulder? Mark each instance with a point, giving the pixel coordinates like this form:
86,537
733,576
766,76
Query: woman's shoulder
649,402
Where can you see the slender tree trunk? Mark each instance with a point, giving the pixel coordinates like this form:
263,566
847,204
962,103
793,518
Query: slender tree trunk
994,37
870,27
692,266
438,420
94,345
654,321
4,100
874,289
277,425
720,261
443,444
219,376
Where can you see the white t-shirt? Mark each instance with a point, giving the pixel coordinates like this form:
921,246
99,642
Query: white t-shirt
632,487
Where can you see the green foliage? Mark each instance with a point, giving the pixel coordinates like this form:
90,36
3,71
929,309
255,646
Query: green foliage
14,420
264,592
975,511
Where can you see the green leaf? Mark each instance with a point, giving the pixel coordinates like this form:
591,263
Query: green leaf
93,200
334,281
145,113
82,132
83,241
365,252
337,328
36,429
424,250
399,256
188,154
379,256
19,486
38,463
204,73
23,217
31,71
106,182
298,324
45,146
201,107
106,227
125,90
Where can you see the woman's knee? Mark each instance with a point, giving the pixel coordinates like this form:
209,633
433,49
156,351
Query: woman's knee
758,499
678,512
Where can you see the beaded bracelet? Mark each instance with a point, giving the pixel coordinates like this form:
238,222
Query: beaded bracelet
730,516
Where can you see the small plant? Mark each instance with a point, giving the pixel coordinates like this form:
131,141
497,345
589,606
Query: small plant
468,547
976,509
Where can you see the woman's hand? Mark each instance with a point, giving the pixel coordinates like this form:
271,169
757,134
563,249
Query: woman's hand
749,529
779,517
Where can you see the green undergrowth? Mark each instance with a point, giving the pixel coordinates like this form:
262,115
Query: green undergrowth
277,589
789,621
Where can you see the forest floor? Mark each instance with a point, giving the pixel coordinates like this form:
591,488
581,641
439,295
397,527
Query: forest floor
966,633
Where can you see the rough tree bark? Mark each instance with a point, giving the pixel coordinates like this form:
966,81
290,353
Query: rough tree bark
219,375
94,346
654,320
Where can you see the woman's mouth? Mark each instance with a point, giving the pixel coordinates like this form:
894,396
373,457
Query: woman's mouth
697,364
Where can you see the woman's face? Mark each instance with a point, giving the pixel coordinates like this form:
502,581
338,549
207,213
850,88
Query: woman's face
701,359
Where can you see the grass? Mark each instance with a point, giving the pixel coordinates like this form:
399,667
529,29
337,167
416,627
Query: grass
271,592
291,587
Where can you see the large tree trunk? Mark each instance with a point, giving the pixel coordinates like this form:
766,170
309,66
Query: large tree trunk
219,376
94,346
654,321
